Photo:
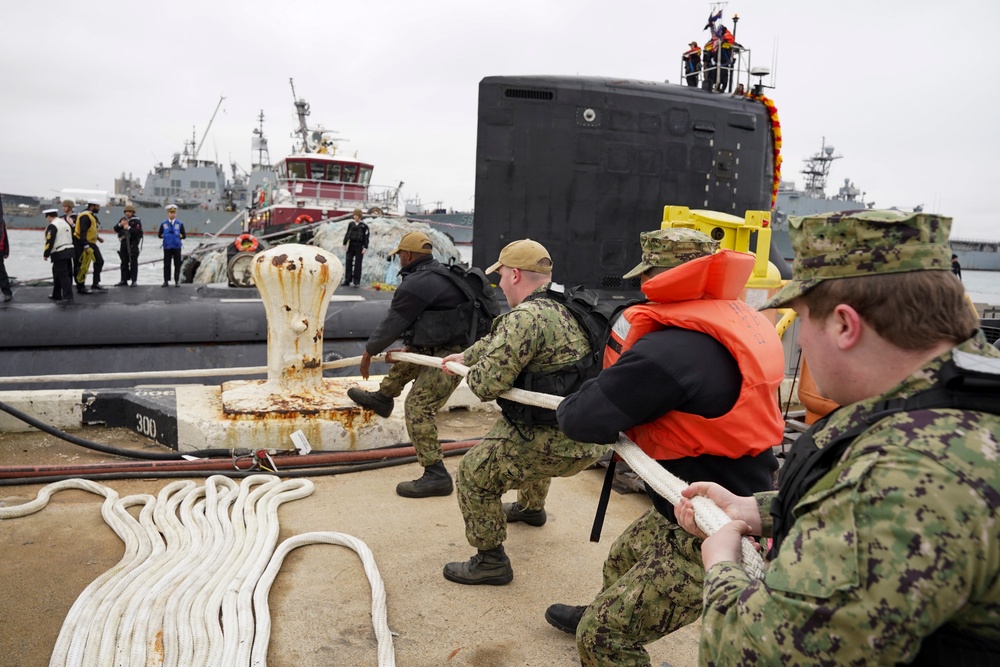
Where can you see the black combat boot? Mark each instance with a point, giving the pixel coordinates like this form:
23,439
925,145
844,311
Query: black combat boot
486,567
565,617
372,400
435,482
514,513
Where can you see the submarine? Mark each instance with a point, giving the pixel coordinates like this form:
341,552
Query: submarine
580,164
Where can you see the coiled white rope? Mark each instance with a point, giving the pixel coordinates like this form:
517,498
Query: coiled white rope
191,588
707,514
262,636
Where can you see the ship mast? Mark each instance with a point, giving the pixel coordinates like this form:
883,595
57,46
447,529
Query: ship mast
301,110
260,145
817,170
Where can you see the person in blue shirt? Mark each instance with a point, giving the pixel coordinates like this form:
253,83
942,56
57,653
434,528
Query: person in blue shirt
172,232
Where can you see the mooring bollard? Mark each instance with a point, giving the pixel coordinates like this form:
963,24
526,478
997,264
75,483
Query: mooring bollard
295,283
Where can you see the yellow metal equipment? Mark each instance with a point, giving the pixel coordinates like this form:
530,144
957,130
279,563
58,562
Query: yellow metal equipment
732,233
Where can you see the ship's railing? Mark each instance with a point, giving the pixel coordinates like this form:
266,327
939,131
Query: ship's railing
724,74
338,196
975,245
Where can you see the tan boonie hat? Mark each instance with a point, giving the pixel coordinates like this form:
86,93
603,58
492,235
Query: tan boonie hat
526,255
357,211
667,248
849,244
129,208
414,242
68,202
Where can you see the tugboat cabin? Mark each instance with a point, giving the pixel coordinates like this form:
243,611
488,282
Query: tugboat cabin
319,176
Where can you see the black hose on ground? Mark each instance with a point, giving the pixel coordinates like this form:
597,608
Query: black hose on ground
108,449
333,469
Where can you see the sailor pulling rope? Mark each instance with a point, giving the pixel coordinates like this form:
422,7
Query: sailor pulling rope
707,515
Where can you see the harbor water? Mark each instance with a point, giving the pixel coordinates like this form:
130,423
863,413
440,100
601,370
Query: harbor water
26,264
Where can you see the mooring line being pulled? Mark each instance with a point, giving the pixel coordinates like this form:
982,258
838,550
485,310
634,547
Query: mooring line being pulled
707,514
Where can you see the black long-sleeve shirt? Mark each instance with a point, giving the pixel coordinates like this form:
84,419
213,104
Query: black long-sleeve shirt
669,369
418,291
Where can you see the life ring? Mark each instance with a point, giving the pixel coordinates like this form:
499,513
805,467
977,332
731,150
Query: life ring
376,211
303,219
246,243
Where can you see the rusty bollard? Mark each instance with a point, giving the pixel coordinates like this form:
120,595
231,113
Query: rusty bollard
295,283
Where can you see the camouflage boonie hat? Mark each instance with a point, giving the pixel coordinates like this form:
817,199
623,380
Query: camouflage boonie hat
848,244
667,248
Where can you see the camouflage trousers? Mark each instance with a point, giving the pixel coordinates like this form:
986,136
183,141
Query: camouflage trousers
505,461
431,390
653,580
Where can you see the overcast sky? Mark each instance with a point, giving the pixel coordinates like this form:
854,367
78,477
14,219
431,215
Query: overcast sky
905,91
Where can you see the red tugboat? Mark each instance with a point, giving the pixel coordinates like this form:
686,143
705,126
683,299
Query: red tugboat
316,183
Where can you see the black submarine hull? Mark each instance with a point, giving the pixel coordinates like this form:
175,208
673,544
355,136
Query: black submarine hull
152,328
584,164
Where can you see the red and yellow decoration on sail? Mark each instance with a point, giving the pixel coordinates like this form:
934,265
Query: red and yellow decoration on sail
772,112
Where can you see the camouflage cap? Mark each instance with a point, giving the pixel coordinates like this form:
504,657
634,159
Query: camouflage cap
671,247
848,244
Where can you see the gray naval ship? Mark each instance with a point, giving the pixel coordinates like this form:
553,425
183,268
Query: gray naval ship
973,254
207,200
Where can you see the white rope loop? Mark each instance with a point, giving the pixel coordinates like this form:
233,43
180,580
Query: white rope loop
197,561
707,514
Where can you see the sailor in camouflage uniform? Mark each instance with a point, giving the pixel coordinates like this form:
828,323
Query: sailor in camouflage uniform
521,451
886,540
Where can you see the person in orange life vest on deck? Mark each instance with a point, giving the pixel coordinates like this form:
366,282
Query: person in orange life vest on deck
692,376
172,232
355,246
692,64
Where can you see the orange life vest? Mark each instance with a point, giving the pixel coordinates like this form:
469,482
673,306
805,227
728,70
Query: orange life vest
701,295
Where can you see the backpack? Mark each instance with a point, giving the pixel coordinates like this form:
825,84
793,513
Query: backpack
468,322
595,318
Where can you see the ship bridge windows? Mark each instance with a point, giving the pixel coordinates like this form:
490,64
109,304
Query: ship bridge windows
296,169
333,172
349,173
366,176
317,171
